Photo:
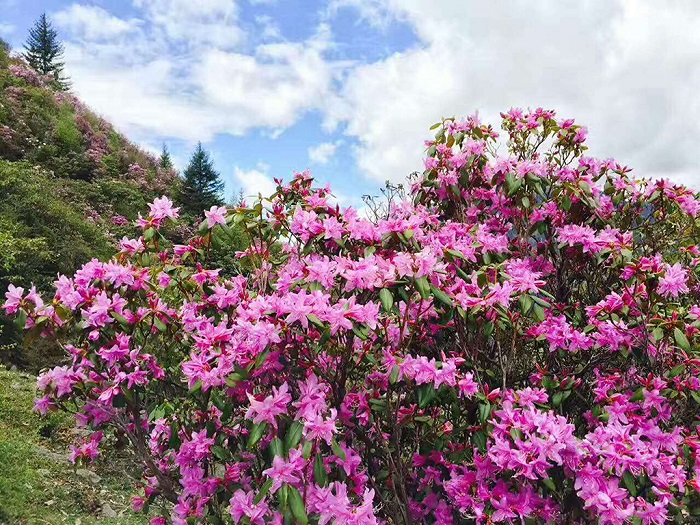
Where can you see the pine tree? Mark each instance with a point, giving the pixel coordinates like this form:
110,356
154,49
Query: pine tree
165,162
201,188
44,51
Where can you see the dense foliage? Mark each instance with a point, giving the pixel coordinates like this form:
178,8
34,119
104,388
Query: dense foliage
201,186
517,343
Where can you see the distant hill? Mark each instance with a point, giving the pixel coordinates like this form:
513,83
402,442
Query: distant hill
70,185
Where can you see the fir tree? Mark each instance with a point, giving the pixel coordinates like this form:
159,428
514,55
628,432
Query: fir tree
165,162
201,188
44,51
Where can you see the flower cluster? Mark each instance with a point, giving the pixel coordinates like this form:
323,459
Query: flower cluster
517,343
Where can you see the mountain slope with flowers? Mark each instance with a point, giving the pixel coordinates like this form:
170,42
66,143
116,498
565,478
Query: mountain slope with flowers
70,184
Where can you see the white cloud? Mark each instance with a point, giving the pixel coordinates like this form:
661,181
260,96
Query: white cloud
254,181
269,29
322,153
271,88
629,69
179,73
376,13
204,22
93,23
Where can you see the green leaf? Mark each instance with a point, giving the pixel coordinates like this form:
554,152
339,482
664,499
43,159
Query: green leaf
361,331
263,491
326,336
315,320
160,325
441,296
658,333
306,449
484,411
629,482
676,371
426,393
549,383
479,439
21,319
681,339
256,434
378,405
387,299
525,303
638,395
276,447
538,312
585,187
297,505
259,360
549,483
233,379
423,287
557,398
293,435
337,450
220,453
394,375
282,495
513,184
455,253
320,475
566,202
120,318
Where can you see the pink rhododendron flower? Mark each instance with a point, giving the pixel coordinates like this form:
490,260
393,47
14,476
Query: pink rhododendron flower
270,407
673,281
216,215
162,208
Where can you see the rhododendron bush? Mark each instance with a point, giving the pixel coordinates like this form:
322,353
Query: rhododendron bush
517,343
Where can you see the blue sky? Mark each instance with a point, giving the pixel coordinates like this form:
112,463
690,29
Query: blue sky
349,88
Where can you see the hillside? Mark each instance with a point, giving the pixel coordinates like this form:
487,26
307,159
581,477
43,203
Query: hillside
70,185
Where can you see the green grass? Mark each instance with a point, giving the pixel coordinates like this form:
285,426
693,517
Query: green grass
37,483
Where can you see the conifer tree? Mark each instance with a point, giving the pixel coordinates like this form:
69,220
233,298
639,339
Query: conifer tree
44,51
165,162
201,188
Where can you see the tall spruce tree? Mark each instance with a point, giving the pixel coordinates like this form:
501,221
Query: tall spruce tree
201,188
44,51
165,162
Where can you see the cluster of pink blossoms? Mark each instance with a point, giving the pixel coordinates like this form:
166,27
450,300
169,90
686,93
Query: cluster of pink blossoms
517,343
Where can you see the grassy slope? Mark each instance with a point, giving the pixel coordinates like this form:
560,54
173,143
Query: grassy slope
37,483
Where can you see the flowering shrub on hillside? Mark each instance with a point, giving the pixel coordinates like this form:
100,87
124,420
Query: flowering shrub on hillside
516,344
